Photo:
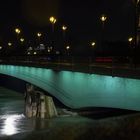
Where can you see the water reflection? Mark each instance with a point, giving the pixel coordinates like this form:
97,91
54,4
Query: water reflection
11,124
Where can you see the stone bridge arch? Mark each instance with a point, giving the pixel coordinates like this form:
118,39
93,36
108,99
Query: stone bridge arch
80,90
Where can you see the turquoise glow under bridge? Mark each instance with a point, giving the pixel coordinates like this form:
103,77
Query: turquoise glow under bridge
78,90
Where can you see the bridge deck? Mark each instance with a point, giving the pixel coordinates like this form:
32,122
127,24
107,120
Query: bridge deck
105,68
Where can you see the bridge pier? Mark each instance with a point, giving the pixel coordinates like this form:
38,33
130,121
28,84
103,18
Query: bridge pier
37,104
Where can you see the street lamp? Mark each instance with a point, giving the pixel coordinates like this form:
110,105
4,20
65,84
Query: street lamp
0,47
35,53
103,19
17,30
67,47
9,44
64,28
53,21
93,44
92,48
130,39
39,34
22,40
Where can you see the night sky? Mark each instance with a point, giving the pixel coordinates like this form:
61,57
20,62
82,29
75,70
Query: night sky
81,17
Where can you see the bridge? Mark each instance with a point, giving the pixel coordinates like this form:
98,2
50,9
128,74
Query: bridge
81,89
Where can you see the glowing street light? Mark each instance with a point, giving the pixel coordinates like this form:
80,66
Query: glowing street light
35,53
9,44
67,50
22,40
64,28
103,18
39,34
67,47
18,31
130,39
0,47
93,44
52,20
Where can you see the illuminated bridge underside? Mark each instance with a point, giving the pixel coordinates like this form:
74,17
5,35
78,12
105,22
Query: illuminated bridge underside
78,90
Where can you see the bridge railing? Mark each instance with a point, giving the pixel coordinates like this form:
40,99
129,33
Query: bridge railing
72,62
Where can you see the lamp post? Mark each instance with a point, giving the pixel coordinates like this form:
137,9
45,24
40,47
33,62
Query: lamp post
131,58
17,31
130,39
92,48
103,19
39,36
67,49
64,28
52,21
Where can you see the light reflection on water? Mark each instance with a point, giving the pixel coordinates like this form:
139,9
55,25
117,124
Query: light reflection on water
14,123
12,120
10,124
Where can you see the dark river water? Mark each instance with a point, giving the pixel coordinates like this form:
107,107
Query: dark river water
15,126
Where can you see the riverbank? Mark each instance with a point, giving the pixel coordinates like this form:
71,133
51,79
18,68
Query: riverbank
82,128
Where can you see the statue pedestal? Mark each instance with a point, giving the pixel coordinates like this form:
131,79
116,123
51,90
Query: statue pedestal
38,105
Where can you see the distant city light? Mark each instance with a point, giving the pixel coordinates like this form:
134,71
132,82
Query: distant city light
57,52
30,48
28,53
49,50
